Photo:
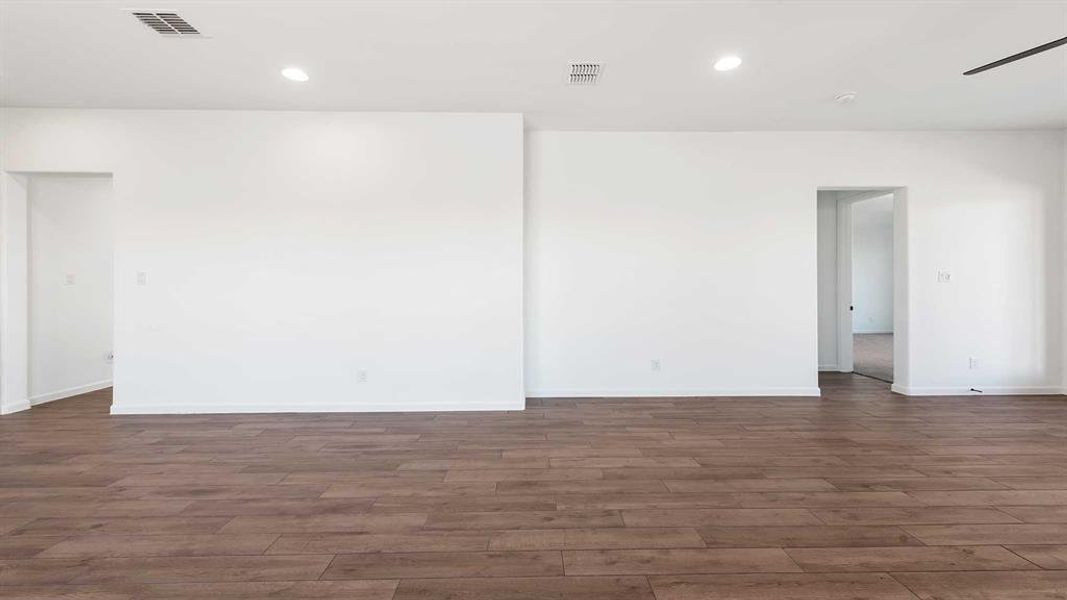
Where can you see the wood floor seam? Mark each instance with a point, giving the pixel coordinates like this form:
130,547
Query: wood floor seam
904,585
1009,549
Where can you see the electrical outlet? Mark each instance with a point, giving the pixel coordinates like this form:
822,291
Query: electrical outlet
70,279
656,365
944,276
361,376
142,278
972,363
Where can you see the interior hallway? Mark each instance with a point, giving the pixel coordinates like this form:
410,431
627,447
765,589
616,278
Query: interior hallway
857,493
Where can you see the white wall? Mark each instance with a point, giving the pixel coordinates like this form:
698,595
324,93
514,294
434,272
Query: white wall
699,250
826,209
284,253
872,265
288,256
70,285
14,297
1063,271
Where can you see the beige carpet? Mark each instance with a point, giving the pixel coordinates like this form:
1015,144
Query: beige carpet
872,355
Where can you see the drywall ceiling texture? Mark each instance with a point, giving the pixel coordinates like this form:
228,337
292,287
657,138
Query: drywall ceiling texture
872,265
905,60
71,248
303,261
698,250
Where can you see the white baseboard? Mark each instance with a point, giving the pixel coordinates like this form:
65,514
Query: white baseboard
67,393
15,407
346,406
986,391
828,368
672,393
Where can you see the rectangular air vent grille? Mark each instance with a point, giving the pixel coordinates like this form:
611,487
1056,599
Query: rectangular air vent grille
166,23
584,73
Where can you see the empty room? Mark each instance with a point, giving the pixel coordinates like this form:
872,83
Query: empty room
533,300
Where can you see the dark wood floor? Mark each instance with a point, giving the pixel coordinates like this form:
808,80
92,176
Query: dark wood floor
860,494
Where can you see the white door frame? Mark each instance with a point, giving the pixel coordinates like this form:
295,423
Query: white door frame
14,293
850,195
844,311
15,285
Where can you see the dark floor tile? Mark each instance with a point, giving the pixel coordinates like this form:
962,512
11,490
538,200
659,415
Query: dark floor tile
349,543
668,561
749,485
1008,533
1038,514
915,483
526,588
67,592
102,545
719,517
525,520
911,516
325,523
302,590
492,503
415,565
1046,557
826,499
993,498
278,506
582,539
990,585
781,586
806,536
908,558
26,546
199,569
118,525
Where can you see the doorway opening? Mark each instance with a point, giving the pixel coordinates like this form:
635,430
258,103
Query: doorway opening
862,288
872,287
58,314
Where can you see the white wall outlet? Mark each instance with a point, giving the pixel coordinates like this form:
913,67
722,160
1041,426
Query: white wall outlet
361,376
972,363
655,364
70,279
944,276
142,278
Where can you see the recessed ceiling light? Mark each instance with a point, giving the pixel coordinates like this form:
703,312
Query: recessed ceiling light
728,63
294,74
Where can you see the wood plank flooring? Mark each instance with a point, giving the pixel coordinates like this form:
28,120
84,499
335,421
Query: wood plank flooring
859,494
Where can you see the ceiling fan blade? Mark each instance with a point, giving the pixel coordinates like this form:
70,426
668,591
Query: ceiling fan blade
1021,55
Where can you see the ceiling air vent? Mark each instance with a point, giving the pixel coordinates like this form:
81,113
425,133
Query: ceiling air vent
166,23
585,73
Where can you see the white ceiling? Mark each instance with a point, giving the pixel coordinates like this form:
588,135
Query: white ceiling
904,58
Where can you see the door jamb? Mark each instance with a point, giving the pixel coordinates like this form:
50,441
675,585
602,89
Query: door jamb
843,310
851,195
